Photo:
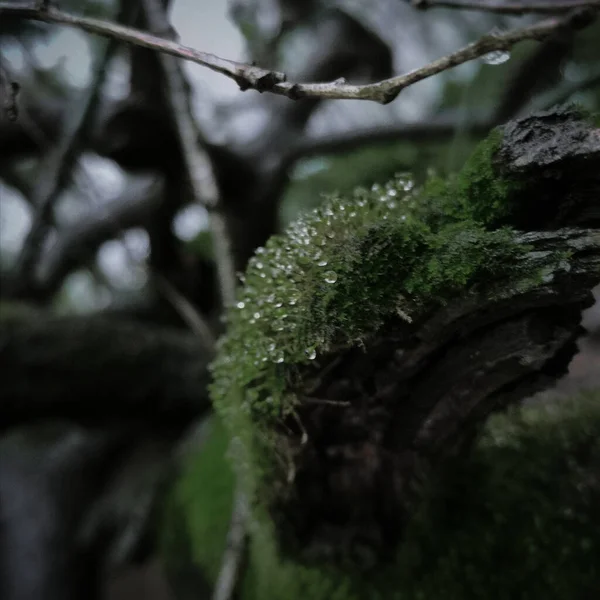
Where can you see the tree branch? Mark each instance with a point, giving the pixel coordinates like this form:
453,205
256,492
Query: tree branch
508,7
264,80
96,369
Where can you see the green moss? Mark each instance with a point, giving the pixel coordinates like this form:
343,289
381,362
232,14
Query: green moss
520,519
478,192
516,520
334,277
329,283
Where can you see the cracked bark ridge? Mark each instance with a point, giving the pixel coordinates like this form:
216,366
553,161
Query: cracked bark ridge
385,417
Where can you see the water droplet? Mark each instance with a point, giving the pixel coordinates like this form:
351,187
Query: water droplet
330,234
259,265
331,276
497,57
241,305
279,358
391,205
311,353
322,263
272,347
278,304
392,192
292,300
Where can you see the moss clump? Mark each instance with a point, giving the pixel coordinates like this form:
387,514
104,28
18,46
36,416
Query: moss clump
335,275
518,519
478,192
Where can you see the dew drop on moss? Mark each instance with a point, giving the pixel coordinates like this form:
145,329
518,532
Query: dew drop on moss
311,353
331,277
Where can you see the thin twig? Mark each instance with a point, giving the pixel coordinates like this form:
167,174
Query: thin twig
200,174
325,401
264,80
198,165
235,549
509,7
188,312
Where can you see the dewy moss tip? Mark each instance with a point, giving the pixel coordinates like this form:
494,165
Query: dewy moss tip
334,276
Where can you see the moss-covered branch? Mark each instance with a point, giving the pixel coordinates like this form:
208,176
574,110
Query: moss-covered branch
98,369
519,518
374,338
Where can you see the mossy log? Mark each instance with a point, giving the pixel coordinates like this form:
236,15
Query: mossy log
373,340
98,370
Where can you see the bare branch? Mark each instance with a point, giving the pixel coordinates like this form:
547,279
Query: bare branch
509,7
247,76
235,548
264,80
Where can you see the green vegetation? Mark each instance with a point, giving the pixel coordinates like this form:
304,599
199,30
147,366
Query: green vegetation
519,519
335,275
